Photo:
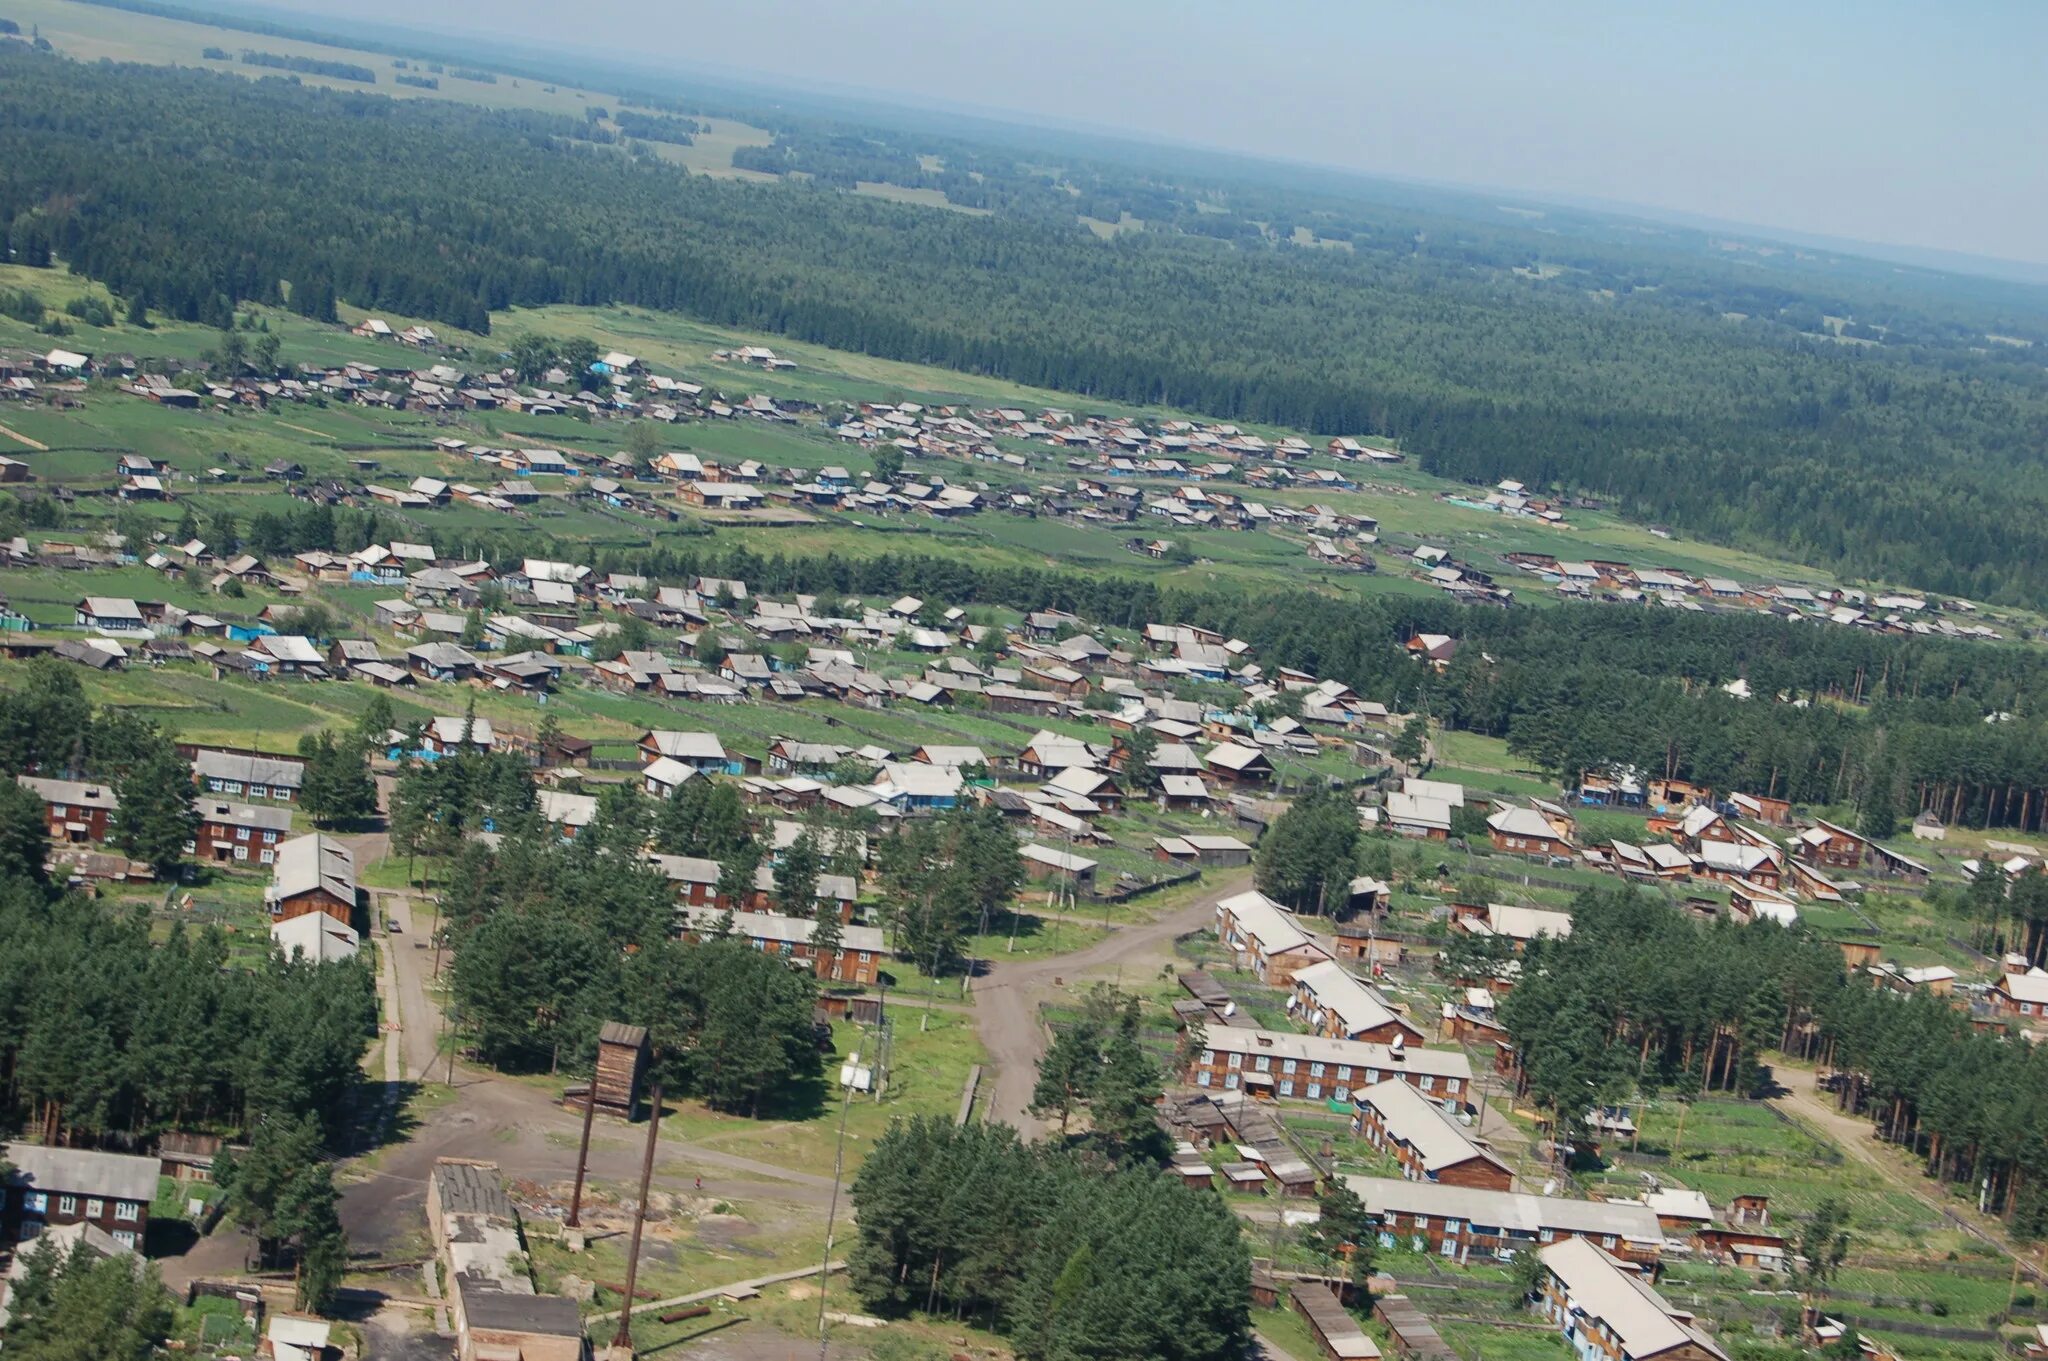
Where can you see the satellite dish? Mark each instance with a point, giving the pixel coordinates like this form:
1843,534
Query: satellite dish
1229,1009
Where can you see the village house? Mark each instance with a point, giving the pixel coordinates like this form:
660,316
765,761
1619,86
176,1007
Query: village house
1464,1224
1524,831
109,614
855,960
1605,1309
700,751
2022,994
1428,1144
50,1188
1200,850
1235,763
236,833
75,811
1273,948
313,873
1330,1002
1518,925
1275,1064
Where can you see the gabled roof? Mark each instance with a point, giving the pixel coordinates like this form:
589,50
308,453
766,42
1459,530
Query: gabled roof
1600,1287
311,862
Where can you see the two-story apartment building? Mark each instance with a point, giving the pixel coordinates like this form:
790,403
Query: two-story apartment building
1465,1224
1261,931
313,873
48,1187
1429,1145
856,959
1274,1064
1330,1002
74,810
239,833
1606,1310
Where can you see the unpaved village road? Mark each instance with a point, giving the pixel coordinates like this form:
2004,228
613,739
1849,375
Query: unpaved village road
1007,997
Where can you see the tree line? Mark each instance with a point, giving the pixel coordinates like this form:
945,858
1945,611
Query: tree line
1906,463
1069,1259
1640,1001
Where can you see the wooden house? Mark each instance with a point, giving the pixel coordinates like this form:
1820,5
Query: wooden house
621,1062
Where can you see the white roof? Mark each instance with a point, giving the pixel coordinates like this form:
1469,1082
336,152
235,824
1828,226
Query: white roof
1522,822
1378,1061
689,746
1232,756
1265,921
1603,1288
2031,986
1522,923
1516,1210
921,781
666,770
1677,1202
1420,1123
937,755
1059,860
1440,791
315,936
1183,786
1360,1008
1405,807
313,861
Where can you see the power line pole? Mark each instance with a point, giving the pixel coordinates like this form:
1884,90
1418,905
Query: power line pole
624,1336
832,1212
575,1219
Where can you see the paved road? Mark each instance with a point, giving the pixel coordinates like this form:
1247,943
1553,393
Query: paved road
1007,998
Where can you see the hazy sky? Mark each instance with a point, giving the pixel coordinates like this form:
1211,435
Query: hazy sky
1884,120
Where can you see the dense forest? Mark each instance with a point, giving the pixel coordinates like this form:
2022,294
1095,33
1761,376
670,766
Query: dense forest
1072,1261
1914,461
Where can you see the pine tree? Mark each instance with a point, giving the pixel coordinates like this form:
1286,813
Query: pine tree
157,817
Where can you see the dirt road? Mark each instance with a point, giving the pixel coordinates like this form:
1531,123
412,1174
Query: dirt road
1805,1102
1006,999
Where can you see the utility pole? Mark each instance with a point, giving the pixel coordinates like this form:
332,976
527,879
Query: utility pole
832,1212
624,1337
575,1219
448,1024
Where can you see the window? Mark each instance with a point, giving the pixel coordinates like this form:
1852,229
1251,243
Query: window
1287,1066
1287,1086
1450,1247
864,955
1343,1072
241,852
1315,1070
257,791
1607,1240
1230,1082
1428,1083
126,1210
268,855
1208,1056
270,838
1202,1078
30,1228
124,1237
1237,1060
1372,1075
1315,1091
58,810
35,1202
67,1205
95,1208
1342,1093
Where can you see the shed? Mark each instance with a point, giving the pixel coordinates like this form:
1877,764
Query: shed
621,1060
1337,1334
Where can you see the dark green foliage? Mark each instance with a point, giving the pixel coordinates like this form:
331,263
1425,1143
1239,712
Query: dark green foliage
311,66
658,127
1904,460
1640,996
157,817
553,939
703,818
1309,856
944,876
1822,1244
338,786
23,839
1074,1263
282,1191
120,1035
78,1305
1098,1064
